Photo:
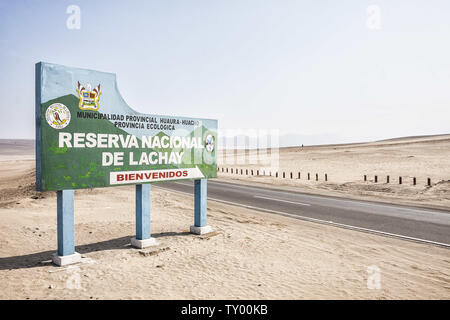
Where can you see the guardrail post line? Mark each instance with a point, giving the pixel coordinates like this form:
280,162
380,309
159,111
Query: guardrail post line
66,236
200,207
143,238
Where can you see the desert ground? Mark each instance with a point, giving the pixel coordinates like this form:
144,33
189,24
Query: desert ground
345,165
249,255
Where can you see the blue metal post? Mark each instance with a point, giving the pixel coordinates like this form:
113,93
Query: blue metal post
142,211
200,203
38,76
66,234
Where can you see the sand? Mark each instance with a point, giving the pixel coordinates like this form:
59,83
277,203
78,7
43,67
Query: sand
249,255
345,165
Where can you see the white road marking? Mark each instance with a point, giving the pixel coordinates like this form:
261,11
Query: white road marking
183,184
331,223
327,198
274,199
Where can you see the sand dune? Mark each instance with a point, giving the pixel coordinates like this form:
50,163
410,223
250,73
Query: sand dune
345,166
11,149
250,255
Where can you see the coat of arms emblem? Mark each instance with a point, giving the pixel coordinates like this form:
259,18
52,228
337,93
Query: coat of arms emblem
57,116
89,99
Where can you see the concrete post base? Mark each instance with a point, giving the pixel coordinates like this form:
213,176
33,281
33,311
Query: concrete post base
143,243
200,230
66,260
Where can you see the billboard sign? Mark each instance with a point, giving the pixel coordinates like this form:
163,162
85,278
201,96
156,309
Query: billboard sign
88,137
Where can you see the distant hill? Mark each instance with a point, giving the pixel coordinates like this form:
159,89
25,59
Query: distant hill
26,146
17,147
416,137
294,140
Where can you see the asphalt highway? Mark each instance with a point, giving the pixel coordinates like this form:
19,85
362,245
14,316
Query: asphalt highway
409,223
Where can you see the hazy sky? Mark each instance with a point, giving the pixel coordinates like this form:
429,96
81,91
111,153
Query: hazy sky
315,68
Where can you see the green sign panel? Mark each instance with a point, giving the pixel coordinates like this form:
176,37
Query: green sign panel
88,137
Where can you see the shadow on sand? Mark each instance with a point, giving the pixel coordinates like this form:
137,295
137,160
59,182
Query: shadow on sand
40,259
